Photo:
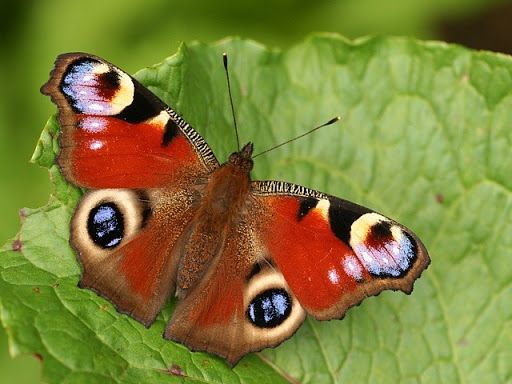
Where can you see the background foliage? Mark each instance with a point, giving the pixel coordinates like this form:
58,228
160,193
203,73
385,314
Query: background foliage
139,33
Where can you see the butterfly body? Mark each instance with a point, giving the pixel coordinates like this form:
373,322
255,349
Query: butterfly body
162,217
221,206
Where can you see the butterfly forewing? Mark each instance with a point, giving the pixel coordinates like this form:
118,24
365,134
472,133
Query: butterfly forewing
116,133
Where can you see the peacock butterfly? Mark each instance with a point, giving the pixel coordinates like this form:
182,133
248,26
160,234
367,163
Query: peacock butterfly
161,217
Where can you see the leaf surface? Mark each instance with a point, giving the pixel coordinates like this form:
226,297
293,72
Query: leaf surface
425,138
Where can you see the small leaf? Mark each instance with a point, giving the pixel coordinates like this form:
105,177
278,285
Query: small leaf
425,138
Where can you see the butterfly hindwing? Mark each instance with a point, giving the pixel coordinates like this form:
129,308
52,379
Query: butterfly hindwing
334,253
126,240
241,304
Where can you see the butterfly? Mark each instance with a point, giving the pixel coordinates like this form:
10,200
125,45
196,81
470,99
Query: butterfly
248,260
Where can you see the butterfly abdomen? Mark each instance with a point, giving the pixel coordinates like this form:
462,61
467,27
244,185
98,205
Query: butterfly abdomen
219,212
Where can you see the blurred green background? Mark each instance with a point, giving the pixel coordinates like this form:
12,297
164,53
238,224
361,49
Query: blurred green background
138,33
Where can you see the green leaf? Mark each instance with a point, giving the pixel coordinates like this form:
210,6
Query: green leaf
425,138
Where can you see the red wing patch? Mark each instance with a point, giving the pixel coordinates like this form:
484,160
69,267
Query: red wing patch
333,253
105,152
309,255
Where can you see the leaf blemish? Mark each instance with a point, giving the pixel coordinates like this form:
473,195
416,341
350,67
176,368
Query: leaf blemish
38,356
16,245
176,370
23,214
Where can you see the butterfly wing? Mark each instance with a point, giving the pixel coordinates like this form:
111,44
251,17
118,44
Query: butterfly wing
140,161
116,133
241,304
334,253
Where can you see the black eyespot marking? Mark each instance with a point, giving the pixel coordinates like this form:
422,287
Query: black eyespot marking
413,252
260,266
341,218
256,268
87,61
171,130
145,206
381,230
105,225
270,308
109,83
305,206
144,106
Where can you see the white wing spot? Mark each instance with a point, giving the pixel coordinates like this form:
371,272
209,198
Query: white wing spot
334,278
92,124
95,145
352,268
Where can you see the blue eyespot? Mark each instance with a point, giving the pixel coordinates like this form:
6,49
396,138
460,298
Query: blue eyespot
270,308
105,225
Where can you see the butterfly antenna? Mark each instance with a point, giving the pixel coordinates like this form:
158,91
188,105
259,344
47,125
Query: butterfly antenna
225,60
332,121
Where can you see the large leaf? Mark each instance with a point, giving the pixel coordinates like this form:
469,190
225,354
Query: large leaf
425,138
